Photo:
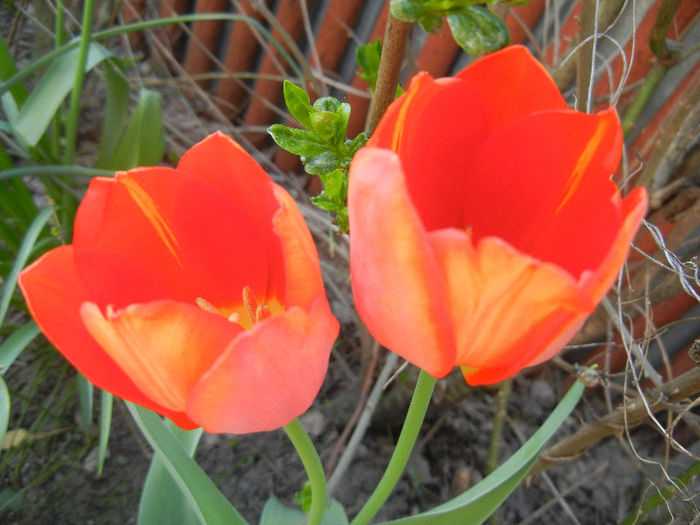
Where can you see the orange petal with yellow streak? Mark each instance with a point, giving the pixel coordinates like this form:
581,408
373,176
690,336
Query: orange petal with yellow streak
163,346
269,375
397,283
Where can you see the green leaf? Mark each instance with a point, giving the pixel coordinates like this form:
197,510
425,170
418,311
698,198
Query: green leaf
143,143
335,185
328,127
479,502
368,57
86,396
106,403
8,287
298,103
276,513
324,202
7,69
4,408
18,341
298,141
477,30
161,499
208,503
36,113
116,111
321,164
355,144
10,499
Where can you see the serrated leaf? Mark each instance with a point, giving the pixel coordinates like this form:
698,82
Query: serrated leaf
298,141
324,202
321,164
477,30
355,144
335,185
367,58
327,126
298,103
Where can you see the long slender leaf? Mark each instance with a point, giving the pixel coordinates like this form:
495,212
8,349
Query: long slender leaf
116,111
49,58
106,403
210,506
479,502
54,170
8,287
36,113
143,143
86,395
17,342
161,498
4,408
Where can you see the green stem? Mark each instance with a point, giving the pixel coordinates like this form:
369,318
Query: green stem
314,469
60,37
497,432
74,111
407,440
653,78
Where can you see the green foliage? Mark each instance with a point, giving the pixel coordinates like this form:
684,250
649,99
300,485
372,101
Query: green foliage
162,500
323,148
477,30
368,57
275,512
477,503
202,496
473,27
303,497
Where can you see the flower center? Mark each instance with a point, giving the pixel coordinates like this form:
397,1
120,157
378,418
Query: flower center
250,308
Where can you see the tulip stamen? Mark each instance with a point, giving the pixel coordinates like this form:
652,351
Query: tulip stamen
206,305
262,312
251,305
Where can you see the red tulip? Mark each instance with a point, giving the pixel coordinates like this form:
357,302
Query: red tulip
484,227
195,292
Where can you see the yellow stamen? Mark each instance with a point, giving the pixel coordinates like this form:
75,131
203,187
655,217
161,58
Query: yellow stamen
262,312
250,303
206,305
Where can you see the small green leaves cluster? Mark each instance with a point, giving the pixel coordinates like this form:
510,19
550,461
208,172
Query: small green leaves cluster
322,146
368,57
473,27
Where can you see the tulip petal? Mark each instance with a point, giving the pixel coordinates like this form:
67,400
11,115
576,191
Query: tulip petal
396,280
163,346
156,233
223,163
563,198
507,308
301,263
435,127
634,208
54,293
269,375
512,84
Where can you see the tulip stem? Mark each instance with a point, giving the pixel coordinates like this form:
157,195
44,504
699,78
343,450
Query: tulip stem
314,469
407,440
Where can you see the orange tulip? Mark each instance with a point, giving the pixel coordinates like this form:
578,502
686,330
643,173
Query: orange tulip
195,292
484,227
